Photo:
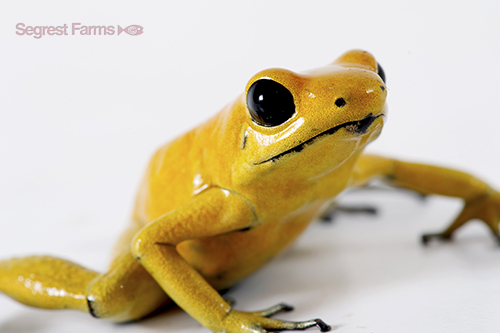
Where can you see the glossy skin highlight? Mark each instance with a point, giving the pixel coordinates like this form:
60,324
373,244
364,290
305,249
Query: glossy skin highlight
219,202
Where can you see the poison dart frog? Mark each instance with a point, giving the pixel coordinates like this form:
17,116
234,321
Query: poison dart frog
219,202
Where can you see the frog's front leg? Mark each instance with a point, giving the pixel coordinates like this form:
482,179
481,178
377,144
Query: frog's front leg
480,200
213,212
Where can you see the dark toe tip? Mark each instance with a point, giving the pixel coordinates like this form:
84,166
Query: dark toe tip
444,237
425,239
323,327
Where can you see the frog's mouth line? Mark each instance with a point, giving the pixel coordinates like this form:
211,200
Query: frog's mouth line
356,126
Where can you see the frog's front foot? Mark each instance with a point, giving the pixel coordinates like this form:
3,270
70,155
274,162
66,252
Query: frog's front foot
259,322
439,236
485,207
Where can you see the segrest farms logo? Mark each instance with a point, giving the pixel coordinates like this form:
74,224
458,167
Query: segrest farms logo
77,29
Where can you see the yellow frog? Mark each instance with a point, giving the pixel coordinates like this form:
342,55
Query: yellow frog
220,201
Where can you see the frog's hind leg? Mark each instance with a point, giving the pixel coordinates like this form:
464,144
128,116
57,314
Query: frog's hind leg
46,282
125,292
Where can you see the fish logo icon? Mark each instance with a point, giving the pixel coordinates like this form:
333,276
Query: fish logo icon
132,30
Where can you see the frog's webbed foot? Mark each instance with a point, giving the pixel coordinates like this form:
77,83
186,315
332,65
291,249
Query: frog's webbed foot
330,214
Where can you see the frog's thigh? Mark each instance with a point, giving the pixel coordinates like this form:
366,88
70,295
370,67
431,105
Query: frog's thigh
126,291
46,282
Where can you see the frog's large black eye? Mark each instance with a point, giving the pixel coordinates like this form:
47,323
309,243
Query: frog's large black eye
270,103
380,72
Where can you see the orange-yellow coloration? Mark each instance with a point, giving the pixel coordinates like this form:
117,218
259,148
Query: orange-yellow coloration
220,201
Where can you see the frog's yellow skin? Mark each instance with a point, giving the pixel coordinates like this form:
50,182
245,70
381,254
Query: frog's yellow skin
220,201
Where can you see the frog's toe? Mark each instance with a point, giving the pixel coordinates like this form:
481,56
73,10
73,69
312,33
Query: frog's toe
439,236
278,325
329,215
282,307
237,321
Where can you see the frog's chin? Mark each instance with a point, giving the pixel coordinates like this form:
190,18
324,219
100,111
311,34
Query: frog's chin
357,128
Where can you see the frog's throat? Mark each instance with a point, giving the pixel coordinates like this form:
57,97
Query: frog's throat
356,126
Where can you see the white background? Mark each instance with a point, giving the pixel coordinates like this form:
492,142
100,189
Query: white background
80,116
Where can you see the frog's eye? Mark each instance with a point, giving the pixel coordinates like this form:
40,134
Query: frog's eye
380,72
270,103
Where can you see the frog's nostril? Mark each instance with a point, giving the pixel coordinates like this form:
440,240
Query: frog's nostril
382,87
340,102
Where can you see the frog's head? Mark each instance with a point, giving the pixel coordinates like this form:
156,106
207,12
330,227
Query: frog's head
311,123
